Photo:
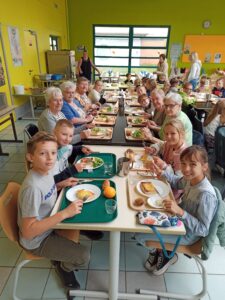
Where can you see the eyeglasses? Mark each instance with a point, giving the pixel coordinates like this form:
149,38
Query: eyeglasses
170,106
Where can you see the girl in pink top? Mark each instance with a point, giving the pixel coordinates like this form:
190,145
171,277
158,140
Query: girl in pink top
171,148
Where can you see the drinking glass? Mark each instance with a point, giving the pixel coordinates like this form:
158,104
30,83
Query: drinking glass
108,167
110,206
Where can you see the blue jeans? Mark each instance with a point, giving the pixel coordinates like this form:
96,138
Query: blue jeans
194,83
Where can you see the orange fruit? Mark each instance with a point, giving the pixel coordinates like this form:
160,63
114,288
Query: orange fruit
105,184
109,192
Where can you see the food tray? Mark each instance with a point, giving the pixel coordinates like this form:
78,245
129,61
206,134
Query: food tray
99,172
107,137
114,111
134,110
130,137
93,212
113,100
133,194
131,118
132,102
111,121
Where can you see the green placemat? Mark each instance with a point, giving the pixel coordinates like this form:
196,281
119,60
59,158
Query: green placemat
99,172
92,212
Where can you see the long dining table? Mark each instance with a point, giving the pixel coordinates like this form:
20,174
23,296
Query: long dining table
124,222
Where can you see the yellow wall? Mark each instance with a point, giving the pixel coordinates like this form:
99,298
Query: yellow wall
46,17
184,17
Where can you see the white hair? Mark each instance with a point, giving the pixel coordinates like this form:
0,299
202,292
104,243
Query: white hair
67,85
159,92
51,93
175,97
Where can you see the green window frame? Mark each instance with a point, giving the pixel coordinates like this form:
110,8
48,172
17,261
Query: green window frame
131,55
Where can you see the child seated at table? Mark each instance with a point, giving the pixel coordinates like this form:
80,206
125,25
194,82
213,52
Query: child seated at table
215,118
174,85
203,87
66,152
196,209
219,89
37,197
171,148
128,80
145,103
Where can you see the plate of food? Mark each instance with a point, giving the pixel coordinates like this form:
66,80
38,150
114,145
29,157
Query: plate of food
134,134
134,110
153,187
91,162
85,192
98,131
155,201
104,119
136,121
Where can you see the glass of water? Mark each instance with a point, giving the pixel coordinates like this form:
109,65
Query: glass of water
110,206
108,168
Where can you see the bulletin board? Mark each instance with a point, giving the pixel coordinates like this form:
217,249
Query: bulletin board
210,48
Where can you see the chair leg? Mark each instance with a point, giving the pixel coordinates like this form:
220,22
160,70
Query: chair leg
15,281
183,296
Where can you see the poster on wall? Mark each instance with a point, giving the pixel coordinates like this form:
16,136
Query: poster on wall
2,76
15,46
217,58
207,58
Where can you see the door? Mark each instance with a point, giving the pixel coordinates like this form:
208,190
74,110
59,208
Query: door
31,58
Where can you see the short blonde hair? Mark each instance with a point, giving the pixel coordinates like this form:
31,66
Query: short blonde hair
63,123
178,125
39,137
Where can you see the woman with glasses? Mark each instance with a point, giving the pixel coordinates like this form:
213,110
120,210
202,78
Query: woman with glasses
172,106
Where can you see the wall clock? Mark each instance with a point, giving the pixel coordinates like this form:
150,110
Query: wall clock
206,24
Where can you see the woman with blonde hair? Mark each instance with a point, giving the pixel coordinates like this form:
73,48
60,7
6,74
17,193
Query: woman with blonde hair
194,73
215,118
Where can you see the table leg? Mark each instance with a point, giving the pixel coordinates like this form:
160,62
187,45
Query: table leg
32,107
13,127
114,264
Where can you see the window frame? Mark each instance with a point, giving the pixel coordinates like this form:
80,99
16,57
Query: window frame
51,45
130,46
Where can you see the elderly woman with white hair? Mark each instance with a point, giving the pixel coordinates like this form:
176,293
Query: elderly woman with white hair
52,114
71,108
172,105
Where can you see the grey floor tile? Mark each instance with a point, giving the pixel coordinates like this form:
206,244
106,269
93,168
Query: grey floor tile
20,157
14,167
9,253
4,275
184,265
98,281
135,256
31,284
19,177
216,287
6,177
100,256
144,280
216,262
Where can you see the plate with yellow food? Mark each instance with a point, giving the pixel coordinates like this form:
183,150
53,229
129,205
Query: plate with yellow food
153,187
85,192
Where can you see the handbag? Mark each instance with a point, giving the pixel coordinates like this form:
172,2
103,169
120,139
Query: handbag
154,219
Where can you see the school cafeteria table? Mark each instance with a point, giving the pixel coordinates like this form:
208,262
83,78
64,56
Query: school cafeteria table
125,222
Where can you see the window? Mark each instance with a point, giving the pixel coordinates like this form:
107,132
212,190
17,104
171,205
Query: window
53,41
129,48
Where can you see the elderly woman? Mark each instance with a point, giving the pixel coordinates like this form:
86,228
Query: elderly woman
159,115
52,114
72,108
172,104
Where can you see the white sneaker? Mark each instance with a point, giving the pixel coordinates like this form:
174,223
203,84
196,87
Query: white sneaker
163,263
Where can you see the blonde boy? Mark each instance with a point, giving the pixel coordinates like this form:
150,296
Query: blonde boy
37,198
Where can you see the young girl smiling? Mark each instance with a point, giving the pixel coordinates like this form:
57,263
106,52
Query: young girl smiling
196,209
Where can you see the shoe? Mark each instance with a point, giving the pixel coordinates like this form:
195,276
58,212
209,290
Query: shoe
220,169
152,260
163,263
92,234
68,278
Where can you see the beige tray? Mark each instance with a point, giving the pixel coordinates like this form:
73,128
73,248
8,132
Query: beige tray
133,103
133,194
113,112
130,137
111,122
111,100
134,111
109,131
130,118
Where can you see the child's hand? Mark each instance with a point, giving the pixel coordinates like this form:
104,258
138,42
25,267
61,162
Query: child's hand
147,133
79,167
150,150
172,207
159,162
85,134
151,124
86,150
73,209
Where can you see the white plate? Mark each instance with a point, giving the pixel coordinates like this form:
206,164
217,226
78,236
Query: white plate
90,167
71,193
162,188
155,201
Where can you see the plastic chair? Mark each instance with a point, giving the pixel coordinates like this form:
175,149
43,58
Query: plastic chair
30,130
193,251
8,217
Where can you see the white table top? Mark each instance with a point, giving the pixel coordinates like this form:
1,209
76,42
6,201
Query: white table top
126,220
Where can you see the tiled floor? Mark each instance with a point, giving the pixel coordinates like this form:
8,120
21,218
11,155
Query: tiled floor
39,281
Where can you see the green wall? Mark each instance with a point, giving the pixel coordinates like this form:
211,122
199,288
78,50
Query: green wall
184,17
